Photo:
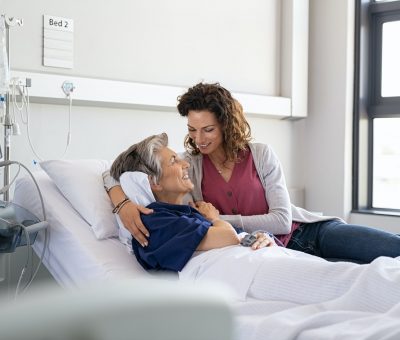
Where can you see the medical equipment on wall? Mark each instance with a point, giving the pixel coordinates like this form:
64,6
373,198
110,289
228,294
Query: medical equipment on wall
10,90
21,89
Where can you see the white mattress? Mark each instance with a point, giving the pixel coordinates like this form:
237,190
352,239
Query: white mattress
70,237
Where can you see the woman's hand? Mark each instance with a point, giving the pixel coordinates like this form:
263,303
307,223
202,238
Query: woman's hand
206,209
263,240
130,217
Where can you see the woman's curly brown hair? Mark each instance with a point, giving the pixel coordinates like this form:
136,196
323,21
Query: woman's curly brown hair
228,112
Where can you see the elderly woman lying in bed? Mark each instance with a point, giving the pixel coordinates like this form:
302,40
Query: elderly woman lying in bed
193,241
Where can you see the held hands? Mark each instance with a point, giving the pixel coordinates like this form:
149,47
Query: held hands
206,209
130,217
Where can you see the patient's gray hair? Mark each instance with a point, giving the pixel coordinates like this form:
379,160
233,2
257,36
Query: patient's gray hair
142,156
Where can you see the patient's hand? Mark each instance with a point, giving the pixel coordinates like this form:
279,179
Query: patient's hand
263,240
206,209
130,217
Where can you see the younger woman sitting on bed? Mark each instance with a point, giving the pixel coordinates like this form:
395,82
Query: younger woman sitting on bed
176,230
270,273
246,183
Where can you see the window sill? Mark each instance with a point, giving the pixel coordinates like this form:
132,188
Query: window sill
384,220
377,212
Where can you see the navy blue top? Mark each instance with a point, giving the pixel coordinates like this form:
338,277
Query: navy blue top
175,233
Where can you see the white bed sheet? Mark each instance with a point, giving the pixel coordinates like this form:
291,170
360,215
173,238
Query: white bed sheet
89,259
309,298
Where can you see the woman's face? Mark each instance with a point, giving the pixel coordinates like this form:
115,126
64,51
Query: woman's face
175,178
205,131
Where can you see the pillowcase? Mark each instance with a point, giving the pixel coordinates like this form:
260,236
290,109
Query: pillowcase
136,187
81,182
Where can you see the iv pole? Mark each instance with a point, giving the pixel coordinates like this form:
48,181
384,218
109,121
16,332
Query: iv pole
9,22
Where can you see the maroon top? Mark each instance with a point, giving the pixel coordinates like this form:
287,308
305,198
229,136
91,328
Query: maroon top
243,194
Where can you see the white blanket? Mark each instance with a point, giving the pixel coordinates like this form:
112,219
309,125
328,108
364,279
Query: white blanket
234,266
293,295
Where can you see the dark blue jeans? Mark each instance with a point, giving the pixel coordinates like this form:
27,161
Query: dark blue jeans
335,240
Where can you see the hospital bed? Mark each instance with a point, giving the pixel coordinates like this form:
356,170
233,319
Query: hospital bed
79,253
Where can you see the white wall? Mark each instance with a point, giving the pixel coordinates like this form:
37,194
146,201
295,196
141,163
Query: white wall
326,133
178,42
175,42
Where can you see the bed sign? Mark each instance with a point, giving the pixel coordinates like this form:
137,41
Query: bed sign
58,23
58,41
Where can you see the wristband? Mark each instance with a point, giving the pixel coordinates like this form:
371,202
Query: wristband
119,206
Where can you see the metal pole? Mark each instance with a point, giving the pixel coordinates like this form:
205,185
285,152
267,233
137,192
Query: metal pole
7,124
9,22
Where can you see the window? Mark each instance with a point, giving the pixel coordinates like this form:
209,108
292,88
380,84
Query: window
390,59
386,164
376,161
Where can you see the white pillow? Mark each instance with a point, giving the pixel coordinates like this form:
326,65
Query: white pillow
136,187
81,182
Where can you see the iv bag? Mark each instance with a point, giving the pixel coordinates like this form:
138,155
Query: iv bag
4,67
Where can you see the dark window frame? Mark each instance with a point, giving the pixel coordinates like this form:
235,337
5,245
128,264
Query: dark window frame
368,102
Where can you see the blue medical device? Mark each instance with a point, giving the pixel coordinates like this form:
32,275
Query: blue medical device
13,220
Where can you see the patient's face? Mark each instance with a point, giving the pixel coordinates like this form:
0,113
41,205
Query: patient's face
175,178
